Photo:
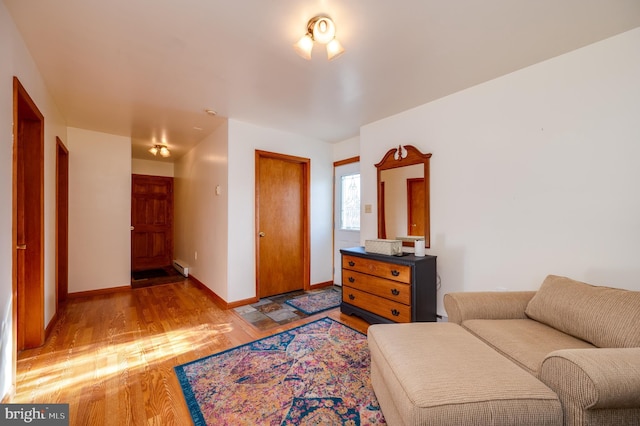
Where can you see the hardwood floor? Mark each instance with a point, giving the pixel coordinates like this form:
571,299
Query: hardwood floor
111,356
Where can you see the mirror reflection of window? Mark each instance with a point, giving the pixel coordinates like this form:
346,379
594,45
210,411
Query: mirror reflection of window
350,203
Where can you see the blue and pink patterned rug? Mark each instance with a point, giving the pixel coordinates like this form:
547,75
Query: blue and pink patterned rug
312,303
317,373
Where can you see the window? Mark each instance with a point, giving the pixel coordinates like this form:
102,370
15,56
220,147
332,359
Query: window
350,202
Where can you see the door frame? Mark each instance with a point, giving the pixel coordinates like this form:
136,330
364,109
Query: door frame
28,330
337,164
305,163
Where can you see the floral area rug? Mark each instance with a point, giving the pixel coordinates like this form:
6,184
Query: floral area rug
318,373
317,302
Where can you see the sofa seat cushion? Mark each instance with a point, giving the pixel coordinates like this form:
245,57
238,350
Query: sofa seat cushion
606,317
524,341
440,374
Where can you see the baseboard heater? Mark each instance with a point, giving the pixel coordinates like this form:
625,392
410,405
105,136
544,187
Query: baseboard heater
181,267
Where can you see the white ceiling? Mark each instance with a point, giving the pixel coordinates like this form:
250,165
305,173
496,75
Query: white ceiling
149,68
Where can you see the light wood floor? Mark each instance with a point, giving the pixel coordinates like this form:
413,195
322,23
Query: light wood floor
111,357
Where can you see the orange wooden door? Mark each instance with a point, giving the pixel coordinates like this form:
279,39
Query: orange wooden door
152,222
416,200
28,221
62,221
282,222
21,239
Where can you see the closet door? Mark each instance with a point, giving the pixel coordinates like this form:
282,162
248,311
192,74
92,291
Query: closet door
282,219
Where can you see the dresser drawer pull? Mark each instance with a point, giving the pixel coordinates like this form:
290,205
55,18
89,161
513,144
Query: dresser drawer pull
352,280
395,291
351,296
352,263
395,273
395,312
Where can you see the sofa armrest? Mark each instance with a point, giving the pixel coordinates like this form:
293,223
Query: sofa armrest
486,305
598,378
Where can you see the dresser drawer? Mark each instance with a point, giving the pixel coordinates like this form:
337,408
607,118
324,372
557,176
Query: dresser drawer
388,289
387,270
378,305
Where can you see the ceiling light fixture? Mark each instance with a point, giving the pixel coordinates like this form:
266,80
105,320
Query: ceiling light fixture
323,30
160,149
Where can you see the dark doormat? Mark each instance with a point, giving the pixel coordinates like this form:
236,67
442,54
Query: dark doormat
168,276
150,273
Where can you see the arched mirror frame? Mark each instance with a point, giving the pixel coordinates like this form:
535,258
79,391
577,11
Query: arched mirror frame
404,155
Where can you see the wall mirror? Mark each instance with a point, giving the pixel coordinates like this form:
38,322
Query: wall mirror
403,195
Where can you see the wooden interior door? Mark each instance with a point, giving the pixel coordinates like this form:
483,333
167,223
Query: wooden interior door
282,220
151,221
28,221
416,200
62,221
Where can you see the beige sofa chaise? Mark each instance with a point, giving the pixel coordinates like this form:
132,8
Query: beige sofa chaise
566,354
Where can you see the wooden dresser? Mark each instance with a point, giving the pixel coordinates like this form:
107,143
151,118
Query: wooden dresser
385,289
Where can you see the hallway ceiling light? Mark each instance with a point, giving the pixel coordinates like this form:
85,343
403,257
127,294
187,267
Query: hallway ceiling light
323,30
160,149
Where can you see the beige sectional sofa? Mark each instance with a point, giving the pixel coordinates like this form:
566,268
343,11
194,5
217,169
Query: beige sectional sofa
580,342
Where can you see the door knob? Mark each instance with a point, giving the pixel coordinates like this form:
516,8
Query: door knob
21,247
261,234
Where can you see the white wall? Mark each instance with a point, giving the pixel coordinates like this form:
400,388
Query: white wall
244,139
151,168
200,214
534,173
348,148
99,210
7,34
15,60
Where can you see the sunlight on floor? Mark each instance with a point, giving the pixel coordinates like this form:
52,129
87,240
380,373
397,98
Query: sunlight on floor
103,363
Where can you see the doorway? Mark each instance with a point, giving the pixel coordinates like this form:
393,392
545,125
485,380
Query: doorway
62,222
28,221
346,222
282,222
151,222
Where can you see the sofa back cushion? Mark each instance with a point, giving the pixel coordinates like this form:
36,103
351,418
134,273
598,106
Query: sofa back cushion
603,316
